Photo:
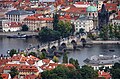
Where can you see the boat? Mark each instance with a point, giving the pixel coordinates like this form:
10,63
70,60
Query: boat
112,50
19,36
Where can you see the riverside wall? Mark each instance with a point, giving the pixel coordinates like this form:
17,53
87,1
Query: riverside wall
105,42
15,33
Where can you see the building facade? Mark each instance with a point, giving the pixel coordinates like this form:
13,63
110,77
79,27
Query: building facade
83,23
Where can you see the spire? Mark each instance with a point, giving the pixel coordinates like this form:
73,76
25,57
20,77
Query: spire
103,9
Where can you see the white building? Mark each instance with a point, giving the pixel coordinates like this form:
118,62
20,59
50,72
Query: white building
102,61
11,26
84,23
3,21
17,15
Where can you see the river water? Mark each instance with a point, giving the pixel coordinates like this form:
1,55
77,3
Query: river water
7,44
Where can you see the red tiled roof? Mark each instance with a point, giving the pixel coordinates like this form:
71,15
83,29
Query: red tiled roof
5,76
9,66
69,65
76,10
14,24
32,76
111,6
36,18
3,61
1,69
46,61
27,68
104,74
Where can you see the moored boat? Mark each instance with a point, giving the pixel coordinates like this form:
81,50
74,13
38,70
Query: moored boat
19,36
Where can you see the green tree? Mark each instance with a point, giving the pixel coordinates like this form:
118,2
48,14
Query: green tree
13,72
12,52
74,62
77,64
60,72
33,54
88,72
65,58
72,29
55,21
64,28
104,33
55,59
25,28
42,55
111,32
115,71
47,34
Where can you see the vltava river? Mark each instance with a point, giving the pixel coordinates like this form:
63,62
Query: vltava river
7,44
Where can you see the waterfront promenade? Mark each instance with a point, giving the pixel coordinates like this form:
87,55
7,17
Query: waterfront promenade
15,33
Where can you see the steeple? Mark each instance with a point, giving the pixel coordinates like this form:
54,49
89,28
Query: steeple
103,9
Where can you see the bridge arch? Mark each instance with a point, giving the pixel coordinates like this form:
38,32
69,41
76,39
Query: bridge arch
53,48
63,45
44,50
73,42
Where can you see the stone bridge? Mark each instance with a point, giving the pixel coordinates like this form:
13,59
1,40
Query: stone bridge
57,43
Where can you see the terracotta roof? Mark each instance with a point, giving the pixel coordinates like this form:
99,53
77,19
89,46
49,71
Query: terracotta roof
111,6
3,61
27,68
76,10
1,69
32,76
14,24
104,74
9,66
69,65
46,61
16,57
5,76
38,17
51,66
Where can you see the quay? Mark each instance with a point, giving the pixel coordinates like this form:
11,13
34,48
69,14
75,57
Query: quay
15,33
105,42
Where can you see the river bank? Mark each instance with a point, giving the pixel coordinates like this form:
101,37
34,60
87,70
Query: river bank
105,42
15,33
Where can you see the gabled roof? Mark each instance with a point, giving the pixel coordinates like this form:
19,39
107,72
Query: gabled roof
19,12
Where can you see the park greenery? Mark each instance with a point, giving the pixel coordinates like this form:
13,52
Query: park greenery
60,29
110,32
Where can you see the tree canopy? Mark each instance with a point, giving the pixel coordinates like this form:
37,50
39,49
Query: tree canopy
115,71
47,34
12,52
25,28
13,72
63,72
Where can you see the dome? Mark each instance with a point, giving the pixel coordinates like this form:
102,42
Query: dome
119,7
91,9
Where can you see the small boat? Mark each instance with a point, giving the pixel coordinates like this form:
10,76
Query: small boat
19,36
112,50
